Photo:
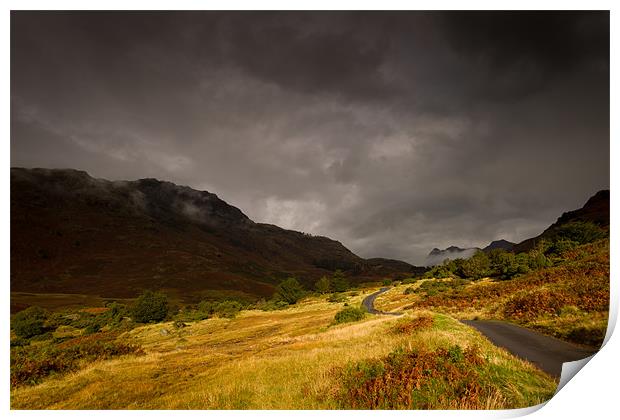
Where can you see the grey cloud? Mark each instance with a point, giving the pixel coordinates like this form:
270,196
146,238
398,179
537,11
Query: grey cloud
391,132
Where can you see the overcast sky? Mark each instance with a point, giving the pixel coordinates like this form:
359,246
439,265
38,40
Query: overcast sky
391,132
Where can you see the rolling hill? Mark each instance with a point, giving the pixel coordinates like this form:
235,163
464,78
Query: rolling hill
595,210
499,244
71,233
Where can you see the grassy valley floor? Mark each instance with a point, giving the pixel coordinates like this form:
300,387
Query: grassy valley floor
298,359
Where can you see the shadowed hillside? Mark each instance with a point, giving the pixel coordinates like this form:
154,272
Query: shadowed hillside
71,233
596,210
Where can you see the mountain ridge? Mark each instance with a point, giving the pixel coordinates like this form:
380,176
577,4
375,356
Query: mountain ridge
72,233
595,210
499,244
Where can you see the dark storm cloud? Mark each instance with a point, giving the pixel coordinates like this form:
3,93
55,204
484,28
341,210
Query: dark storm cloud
391,132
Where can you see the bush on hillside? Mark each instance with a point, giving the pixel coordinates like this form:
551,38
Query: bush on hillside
336,298
444,378
290,291
271,305
350,314
323,285
562,245
409,290
579,232
30,322
150,307
340,282
439,272
228,309
476,267
435,287
32,363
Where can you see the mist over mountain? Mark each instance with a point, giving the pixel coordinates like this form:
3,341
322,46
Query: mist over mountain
438,256
72,233
595,210
499,244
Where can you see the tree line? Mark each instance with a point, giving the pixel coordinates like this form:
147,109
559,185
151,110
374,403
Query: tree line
506,265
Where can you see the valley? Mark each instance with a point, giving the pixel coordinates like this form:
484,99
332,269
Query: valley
122,298
277,360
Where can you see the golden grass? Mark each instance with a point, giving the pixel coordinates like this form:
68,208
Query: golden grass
263,360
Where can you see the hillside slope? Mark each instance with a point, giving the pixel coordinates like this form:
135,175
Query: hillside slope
596,210
499,244
569,300
71,233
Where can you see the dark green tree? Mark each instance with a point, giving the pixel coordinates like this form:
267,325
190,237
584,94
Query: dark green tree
30,322
228,308
439,272
536,256
150,307
580,232
511,265
323,285
340,282
290,291
561,245
476,266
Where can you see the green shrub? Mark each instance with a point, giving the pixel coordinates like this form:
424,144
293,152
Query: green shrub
323,285
579,232
290,291
509,265
476,267
30,322
30,364
562,245
340,282
115,315
336,298
349,314
272,305
228,309
409,290
150,307
455,353
435,287
439,272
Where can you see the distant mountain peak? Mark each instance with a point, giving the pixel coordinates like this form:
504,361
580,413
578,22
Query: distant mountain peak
438,256
499,244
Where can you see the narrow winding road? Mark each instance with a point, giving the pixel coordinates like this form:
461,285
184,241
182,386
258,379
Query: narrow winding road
369,303
546,352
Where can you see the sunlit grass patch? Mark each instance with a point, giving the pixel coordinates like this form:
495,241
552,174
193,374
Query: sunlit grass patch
285,359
